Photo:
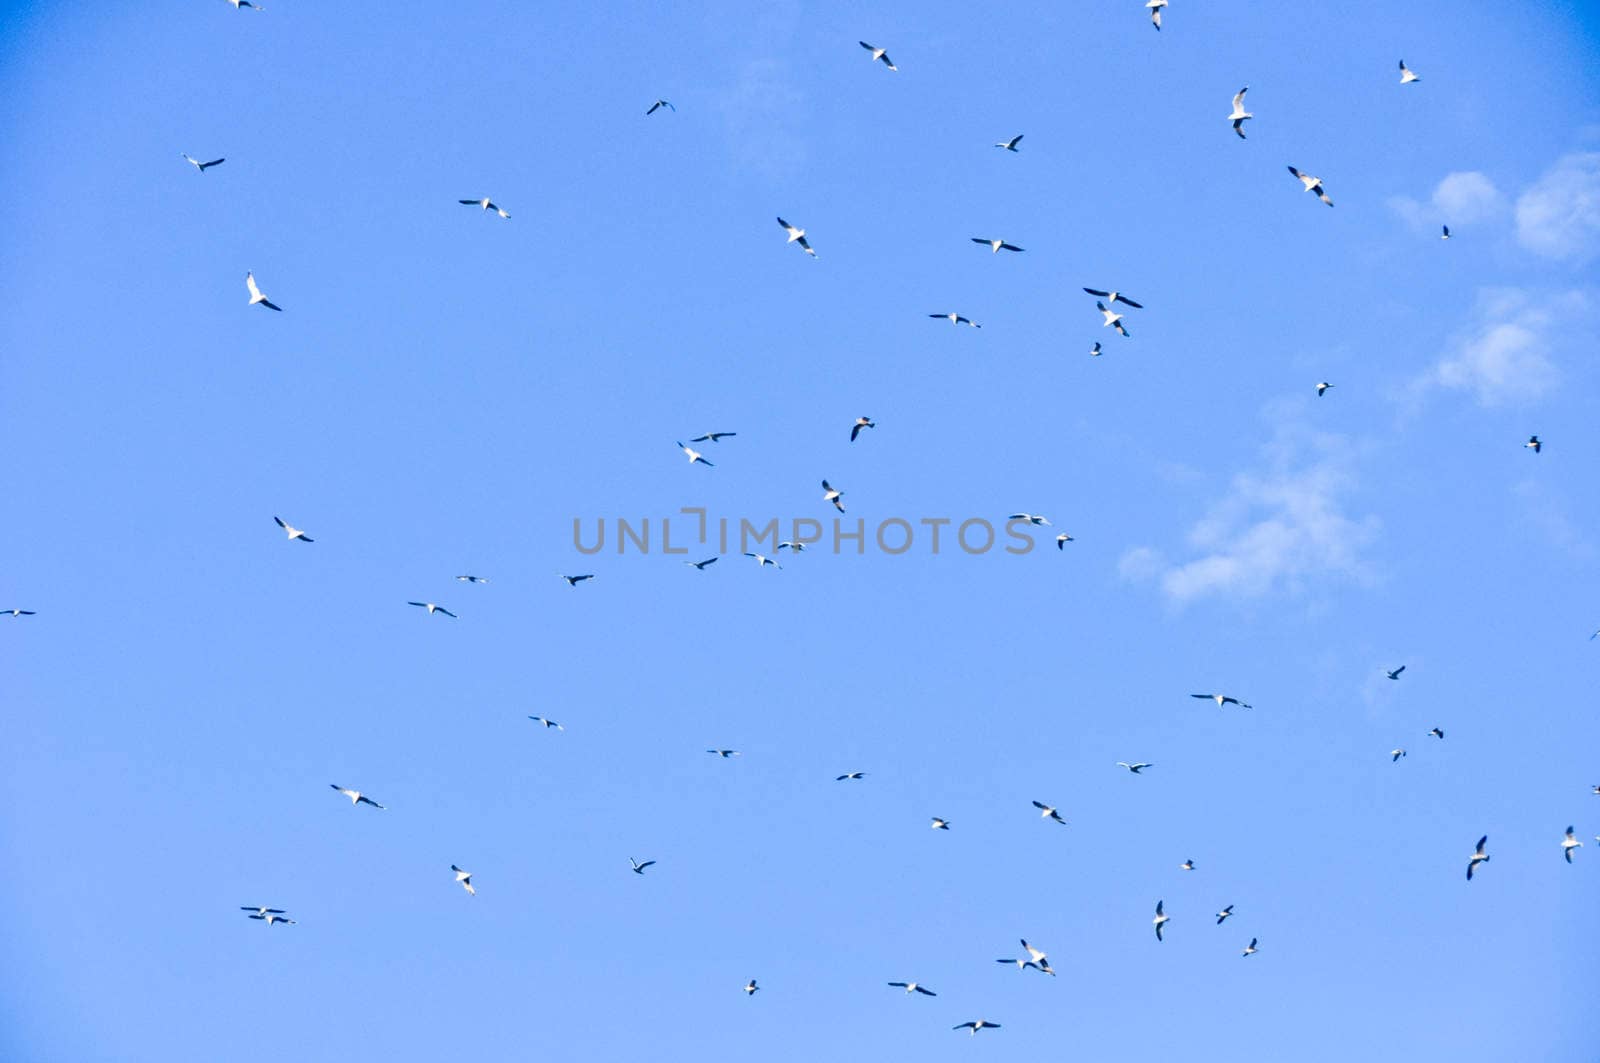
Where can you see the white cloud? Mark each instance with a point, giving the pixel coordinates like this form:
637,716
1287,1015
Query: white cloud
1465,197
1275,529
1559,217
1503,358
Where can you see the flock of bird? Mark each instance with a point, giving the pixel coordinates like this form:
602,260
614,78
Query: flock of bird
1110,303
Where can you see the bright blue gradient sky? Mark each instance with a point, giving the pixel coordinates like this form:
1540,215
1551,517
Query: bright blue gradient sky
446,391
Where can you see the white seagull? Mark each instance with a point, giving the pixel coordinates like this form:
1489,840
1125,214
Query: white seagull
1569,843
472,579
1534,444
1049,812
356,796
1135,768
976,1025
1187,865
293,532
1321,387
1478,857
1250,949
202,166
797,236
797,547
30,612
762,560
939,824
486,203
1115,297
1160,920
831,495
1155,7
1313,184
1221,700
432,608
1094,352
878,55
638,868
1112,319
957,319
712,437
1240,115
1010,145
1062,540
255,293
694,455
1223,915
1037,956
1031,518
750,988
1406,76
465,878
547,723
996,246
1395,755
855,429
724,753
267,915
913,987
237,4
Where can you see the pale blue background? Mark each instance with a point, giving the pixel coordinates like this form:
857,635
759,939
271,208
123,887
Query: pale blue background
446,391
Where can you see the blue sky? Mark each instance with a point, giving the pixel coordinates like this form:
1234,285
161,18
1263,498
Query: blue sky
445,392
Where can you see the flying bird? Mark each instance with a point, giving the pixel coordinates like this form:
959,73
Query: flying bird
1240,115
202,166
547,723
712,437
831,495
1094,352
1048,812
788,544
939,824
1569,843
1478,857
1010,145
980,1024
694,455
1445,233
797,236
855,430
255,294
1036,955
654,107
1223,915
356,796
638,868
1023,965
30,612
1534,444
701,565
465,878
957,319
1031,518
1115,297
293,532
1406,76
1323,386
850,775
1160,920
1395,755
913,987
472,579
1436,732
1155,7
1250,949
432,608
1313,184
237,4
1062,540
750,988
1396,673
573,581
1112,320
485,203
1221,700
267,915
1135,768
1187,865
996,246
878,55
724,753
762,559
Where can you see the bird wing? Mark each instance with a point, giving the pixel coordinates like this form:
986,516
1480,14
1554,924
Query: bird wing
926,992
981,240
250,282
1010,247
441,609
213,162
786,225
1294,171
1482,842
1238,99
1129,302
270,305
1040,804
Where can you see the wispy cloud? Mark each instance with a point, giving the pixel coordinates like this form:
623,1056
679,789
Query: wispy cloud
1277,527
1466,197
1559,216
1504,357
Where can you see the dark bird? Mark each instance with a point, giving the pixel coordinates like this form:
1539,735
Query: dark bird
1396,673
850,775
701,565
1478,857
1010,145
1222,915
1437,733
203,166
855,430
1534,444
432,608
712,437
996,246
980,1024
654,107
913,987
573,581
638,868
1049,812
1115,297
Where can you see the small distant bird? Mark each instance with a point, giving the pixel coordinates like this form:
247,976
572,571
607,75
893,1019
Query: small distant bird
1112,320
797,547
878,55
1010,145
850,775
638,868
957,319
701,565
1406,76
472,579
267,915
1569,843
573,581
1022,964
829,494
1313,184
1161,919
1094,352
1445,234
797,236
465,878
996,246
1596,791
654,107
1031,518
1436,732
712,437
547,723
762,560
485,203
1240,115
432,608
980,1024
1221,700
1062,540
30,612
1478,857
694,455
724,753
1250,949
1396,673
939,824
1187,865
855,430
1036,955
1048,812
750,988
1135,768
1534,444
1323,386
255,294
1155,7
1114,298
293,532
356,796
1223,915
1396,754
203,166
913,987
237,4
